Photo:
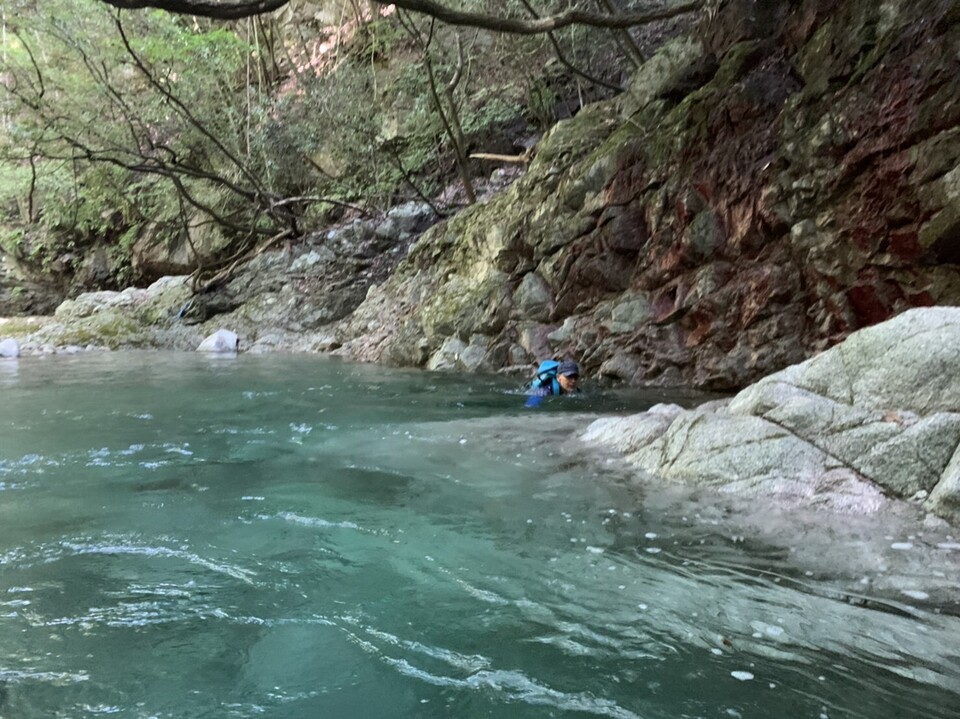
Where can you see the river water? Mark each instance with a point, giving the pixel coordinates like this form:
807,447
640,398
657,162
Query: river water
187,536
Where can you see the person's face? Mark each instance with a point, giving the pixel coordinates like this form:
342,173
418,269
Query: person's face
568,382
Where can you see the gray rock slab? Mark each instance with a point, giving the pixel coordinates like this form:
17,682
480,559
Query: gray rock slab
630,434
876,415
533,297
908,363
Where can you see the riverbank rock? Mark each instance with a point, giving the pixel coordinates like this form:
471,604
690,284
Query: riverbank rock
877,416
136,318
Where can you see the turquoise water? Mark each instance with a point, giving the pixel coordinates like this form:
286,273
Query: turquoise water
183,536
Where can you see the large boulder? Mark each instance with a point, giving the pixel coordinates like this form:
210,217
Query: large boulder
153,255
876,415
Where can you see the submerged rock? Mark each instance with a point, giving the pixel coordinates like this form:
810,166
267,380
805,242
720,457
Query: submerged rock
877,416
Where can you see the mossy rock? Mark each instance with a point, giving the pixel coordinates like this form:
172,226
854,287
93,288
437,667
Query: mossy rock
104,329
20,327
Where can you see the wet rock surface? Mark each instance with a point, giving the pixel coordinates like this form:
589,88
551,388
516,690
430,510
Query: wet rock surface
873,419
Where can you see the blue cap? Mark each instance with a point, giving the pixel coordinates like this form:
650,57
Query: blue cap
568,367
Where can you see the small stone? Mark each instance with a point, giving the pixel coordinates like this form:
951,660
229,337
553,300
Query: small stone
221,341
9,348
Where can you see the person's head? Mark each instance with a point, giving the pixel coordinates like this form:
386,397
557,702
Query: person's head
568,375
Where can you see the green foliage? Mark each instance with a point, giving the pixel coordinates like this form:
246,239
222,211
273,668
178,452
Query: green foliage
11,240
540,101
14,180
377,39
489,109
169,44
103,124
237,119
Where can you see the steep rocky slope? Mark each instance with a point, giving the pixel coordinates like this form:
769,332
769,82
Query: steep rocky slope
781,177
785,176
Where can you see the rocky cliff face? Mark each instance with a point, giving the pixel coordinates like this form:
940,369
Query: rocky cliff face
785,176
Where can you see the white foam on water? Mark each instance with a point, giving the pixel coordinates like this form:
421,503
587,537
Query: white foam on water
515,686
244,575
742,676
585,632
768,630
16,603
466,662
482,594
101,709
315,521
59,678
567,646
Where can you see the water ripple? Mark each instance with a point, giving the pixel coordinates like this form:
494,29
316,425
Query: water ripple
15,676
244,575
516,686
510,685
312,521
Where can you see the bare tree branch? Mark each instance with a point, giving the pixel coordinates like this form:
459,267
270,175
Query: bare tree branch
204,8
623,37
451,124
562,58
184,111
36,68
515,26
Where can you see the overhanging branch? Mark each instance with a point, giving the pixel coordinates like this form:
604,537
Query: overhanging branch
513,26
204,8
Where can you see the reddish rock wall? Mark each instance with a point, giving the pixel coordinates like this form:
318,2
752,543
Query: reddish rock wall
806,196
795,180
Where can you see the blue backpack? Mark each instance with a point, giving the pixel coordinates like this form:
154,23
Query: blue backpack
547,376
